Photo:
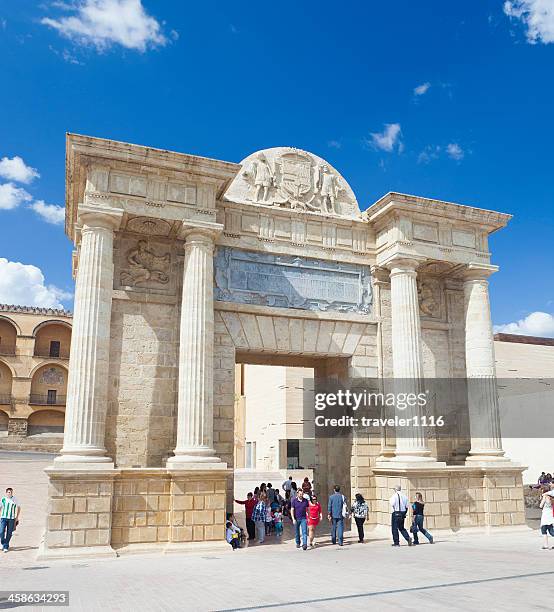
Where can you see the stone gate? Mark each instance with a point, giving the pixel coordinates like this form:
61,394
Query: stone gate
186,265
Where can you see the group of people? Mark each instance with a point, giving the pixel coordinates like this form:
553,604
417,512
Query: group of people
266,509
543,482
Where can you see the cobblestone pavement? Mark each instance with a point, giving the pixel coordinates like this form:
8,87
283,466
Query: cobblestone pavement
467,572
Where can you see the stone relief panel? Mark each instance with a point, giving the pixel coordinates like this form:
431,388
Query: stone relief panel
429,295
291,282
291,178
52,376
144,264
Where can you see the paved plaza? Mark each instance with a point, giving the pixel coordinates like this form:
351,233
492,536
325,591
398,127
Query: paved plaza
466,572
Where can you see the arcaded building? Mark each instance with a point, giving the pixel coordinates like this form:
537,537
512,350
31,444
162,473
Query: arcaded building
34,359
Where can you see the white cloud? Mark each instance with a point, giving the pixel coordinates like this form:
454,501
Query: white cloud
12,196
102,23
51,213
430,152
537,15
454,151
23,284
422,89
334,144
536,324
389,138
15,169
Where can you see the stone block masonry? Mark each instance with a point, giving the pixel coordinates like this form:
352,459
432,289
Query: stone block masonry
98,514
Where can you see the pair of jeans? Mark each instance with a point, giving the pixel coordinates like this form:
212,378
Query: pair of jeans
418,526
251,528
6,529
301,525
360,525
260,531
337,530
397,525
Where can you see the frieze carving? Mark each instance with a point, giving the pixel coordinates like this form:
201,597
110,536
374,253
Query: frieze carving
148,226
291,178
52,376
285,281
428,292
145,266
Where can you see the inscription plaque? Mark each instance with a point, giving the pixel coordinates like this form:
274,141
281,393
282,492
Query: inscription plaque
291,282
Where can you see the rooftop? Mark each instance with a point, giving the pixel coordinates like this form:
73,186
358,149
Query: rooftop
520,339
59,312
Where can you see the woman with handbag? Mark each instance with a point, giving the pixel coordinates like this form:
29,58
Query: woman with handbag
360,511
418,518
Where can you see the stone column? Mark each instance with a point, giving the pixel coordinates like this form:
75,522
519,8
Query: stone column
407,358
484,418
196,354
87,391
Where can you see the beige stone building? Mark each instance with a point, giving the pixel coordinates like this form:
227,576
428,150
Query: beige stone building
530,360
186,266
34,358
277,410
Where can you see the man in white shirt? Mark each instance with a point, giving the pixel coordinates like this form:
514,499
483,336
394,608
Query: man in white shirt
287,485
399,507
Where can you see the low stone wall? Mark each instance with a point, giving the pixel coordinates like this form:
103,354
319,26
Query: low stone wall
30,443
94,512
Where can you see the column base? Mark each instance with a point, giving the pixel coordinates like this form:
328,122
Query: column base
406,461
81,456
196,458
486,460
179,463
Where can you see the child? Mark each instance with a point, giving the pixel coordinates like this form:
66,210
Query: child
268,521
231,517
278,522
232,535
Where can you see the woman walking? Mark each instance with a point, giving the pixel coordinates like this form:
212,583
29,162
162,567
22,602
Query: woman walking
547,517
314,516
307,487
259,516
360,511
417,524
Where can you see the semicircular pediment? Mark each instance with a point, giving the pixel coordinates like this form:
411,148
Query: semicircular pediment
285,177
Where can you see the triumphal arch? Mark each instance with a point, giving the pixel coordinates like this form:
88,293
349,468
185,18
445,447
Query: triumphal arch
186,265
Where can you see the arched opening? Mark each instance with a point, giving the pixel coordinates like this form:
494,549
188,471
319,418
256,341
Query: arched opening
45,422
8,336
49,386
53,339
3,424
5,385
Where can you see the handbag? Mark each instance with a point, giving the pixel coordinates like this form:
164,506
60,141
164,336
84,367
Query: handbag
344,508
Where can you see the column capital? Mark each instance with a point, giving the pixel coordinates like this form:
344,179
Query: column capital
199,231
404,264
106,218
478,271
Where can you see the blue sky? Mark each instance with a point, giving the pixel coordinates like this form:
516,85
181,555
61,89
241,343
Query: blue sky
447,100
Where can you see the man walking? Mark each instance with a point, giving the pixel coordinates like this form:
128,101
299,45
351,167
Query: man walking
399,506
9,518
249,504
298,511
335,510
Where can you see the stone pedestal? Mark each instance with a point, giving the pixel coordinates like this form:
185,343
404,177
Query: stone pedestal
196,354
456,497
86,408
95,514
484,418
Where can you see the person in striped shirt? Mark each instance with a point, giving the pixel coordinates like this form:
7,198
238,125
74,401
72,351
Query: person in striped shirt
9,518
